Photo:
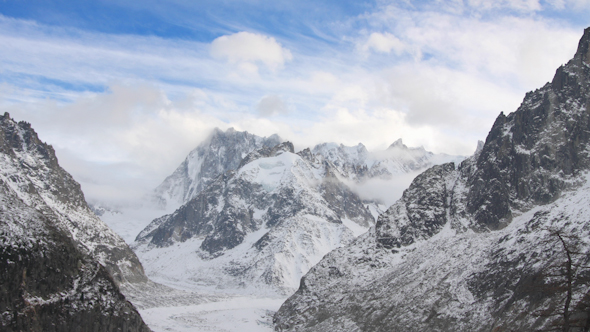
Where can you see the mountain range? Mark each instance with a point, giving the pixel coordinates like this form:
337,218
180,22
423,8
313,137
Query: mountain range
262,223
497,242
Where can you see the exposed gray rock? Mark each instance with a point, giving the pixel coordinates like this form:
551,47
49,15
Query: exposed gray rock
219,153
466,249
48,282
30,168
420,213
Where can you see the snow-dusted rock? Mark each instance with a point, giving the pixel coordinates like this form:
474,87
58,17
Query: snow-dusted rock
262,225
50,245
219,153
30,168
467,248
358,164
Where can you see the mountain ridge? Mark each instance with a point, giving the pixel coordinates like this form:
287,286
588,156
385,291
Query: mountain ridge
61,266
467,248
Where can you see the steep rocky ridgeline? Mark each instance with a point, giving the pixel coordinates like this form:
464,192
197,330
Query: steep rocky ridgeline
219,153
262,225
47,283
478,246
224,151
30,168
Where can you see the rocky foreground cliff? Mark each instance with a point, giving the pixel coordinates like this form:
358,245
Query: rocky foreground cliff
496,243
60,266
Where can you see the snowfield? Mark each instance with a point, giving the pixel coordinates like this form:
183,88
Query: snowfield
231,314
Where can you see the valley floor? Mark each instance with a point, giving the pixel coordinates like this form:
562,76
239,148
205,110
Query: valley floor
167,309
232,313
171,306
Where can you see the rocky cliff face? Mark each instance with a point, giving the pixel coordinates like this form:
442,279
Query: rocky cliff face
466,248
50,279
30,168
219,153
264,224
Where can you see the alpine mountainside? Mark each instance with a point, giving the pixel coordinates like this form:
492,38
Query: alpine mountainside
223,151
358,164
259,227
48,280
219,153
30,168
498,243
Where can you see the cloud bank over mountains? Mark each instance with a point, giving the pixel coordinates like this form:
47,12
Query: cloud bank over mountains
123,104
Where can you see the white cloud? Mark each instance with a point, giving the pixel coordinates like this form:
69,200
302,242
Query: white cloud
271,105
384,43
452,75
123,142
520,5
250,48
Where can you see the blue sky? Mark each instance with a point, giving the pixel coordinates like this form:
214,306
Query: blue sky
125,89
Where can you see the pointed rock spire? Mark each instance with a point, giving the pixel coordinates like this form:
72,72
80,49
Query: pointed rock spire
583,52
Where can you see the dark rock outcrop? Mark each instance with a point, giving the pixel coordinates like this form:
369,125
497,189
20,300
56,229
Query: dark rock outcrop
31,168
47,283
467,249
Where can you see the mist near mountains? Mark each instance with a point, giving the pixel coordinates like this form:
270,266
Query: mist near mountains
497,241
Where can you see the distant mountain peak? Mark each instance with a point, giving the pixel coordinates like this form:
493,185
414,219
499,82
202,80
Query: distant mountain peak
263,224
398,144
219,153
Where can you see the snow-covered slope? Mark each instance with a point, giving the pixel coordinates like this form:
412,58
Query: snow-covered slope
30,168
479,247
260,227
219,153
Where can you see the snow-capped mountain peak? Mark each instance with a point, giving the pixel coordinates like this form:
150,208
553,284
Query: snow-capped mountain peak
262,225
219,153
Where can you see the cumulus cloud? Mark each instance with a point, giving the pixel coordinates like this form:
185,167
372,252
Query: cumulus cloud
249,48
451,76
109,141
271,105
384,43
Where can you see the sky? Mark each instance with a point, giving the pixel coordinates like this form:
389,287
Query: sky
123,90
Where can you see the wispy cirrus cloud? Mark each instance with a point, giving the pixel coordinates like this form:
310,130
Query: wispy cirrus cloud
433,74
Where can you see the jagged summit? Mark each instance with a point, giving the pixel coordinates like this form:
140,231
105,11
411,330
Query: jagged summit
260,226
60,266
397,144
467,247
219,153
583,51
